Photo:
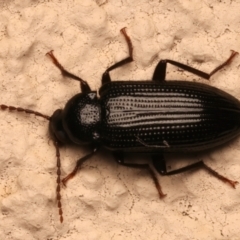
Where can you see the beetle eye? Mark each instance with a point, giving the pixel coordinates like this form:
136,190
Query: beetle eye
61,136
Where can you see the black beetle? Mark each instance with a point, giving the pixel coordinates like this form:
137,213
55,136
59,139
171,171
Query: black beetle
153,117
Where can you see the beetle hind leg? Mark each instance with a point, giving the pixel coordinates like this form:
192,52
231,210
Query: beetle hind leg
219,176
160,70
119,157
160,166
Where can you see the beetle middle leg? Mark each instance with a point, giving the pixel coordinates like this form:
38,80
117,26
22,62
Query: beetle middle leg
106,77
119,157
160,166
160,70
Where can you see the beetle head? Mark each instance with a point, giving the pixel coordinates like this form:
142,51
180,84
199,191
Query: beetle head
79,120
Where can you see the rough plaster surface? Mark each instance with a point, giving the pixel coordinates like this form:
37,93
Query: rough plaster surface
107,201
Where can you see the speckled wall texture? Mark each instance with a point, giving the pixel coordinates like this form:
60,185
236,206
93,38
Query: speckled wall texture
106,201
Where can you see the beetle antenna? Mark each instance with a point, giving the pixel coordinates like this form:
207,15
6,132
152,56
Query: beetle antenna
58,181
38,114
28,111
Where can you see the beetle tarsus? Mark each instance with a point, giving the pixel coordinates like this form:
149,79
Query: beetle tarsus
227,62
219,176
232,183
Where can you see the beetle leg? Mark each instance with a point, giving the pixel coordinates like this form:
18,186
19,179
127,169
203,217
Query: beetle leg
160,166
106,77
164,145
78,166
84,85
119,157
160,70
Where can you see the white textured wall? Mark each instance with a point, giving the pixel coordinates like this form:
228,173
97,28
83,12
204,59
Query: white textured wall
107,201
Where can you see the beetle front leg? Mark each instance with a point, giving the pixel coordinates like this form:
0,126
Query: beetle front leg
119,157
106,77
78,166
160,166
160,70
84,85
